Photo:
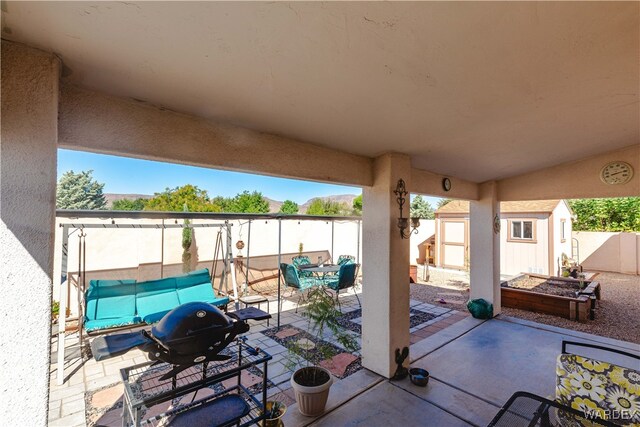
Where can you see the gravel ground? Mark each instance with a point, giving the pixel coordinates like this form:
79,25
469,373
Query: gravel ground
617,315
452,288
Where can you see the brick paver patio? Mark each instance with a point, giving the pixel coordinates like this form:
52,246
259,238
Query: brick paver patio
92,393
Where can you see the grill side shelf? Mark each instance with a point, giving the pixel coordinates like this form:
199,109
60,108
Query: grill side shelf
143,387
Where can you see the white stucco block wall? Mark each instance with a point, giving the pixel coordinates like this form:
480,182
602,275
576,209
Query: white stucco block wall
609,251
27,200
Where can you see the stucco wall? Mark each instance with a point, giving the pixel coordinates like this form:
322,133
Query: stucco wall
385,308
28,176
574,180
121,253
609,251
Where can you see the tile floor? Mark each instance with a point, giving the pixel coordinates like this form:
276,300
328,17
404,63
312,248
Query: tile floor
92,393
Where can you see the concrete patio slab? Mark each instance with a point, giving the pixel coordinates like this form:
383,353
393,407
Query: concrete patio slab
341,391
388,405
476,410
610,342
498,358
444,336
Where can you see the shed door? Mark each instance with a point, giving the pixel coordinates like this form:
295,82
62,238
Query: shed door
454,243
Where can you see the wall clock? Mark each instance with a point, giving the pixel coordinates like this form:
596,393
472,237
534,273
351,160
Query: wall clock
617,172
446,184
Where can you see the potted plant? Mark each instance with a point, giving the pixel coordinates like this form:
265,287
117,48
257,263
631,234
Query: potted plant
311,383
274,414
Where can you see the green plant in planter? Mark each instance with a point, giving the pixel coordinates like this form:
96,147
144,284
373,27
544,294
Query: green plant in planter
322,316
300,249
583,284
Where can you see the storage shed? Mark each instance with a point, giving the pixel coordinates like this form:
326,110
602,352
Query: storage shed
533,237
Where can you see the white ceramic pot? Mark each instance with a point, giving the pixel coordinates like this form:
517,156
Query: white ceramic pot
311,400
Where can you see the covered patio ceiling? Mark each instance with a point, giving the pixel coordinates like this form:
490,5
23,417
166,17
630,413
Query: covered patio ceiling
480,91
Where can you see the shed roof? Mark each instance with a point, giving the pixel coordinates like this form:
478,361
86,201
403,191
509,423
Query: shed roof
537,206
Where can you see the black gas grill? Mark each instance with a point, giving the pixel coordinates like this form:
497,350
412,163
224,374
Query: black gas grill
192,333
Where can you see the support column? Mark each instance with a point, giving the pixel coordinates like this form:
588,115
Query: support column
484,246
385,305
28,176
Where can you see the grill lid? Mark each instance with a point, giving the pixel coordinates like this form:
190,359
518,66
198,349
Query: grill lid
192,327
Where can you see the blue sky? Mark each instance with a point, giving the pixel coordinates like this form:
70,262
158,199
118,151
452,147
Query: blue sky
135,176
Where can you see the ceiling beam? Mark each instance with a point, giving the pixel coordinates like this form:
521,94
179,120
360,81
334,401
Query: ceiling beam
96,122
573,180
429,183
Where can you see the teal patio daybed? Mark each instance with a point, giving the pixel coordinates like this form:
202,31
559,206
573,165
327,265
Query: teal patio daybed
120,303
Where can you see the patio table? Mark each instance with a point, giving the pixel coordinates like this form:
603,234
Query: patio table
321,272
528,409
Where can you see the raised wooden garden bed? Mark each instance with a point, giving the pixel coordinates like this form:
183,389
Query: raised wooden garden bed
558,296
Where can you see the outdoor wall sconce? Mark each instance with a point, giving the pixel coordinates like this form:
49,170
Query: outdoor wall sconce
403,223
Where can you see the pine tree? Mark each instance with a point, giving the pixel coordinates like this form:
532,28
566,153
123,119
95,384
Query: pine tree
80,191
187,240
420,208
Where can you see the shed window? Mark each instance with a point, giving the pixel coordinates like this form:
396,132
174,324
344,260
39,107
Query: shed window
522,230
563,230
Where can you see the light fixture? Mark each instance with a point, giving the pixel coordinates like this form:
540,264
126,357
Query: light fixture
403,223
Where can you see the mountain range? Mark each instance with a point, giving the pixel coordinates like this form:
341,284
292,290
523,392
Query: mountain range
274,205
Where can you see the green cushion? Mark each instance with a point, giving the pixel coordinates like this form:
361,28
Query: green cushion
107,283
96,325
115,307
193,278
220,301
154,317
307,282
203,292
346,277
152,306
153,287
110,299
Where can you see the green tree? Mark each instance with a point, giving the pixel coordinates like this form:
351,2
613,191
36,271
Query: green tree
129,204
615,214
420,208
289,207
247,202
327,208
224,203
443,202
80,191
357,205
175,199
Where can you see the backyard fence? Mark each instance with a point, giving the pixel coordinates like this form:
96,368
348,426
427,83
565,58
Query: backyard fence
609,251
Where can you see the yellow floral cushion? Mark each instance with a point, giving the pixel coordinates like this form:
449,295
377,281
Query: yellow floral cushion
594,387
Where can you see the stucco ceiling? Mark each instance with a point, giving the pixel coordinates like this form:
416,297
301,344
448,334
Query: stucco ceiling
474,90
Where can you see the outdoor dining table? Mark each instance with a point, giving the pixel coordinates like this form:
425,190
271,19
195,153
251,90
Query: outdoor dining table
322,271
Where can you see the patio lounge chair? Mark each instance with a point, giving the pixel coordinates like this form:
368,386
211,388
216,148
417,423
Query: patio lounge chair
345,279
346,259
610,387
293,280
